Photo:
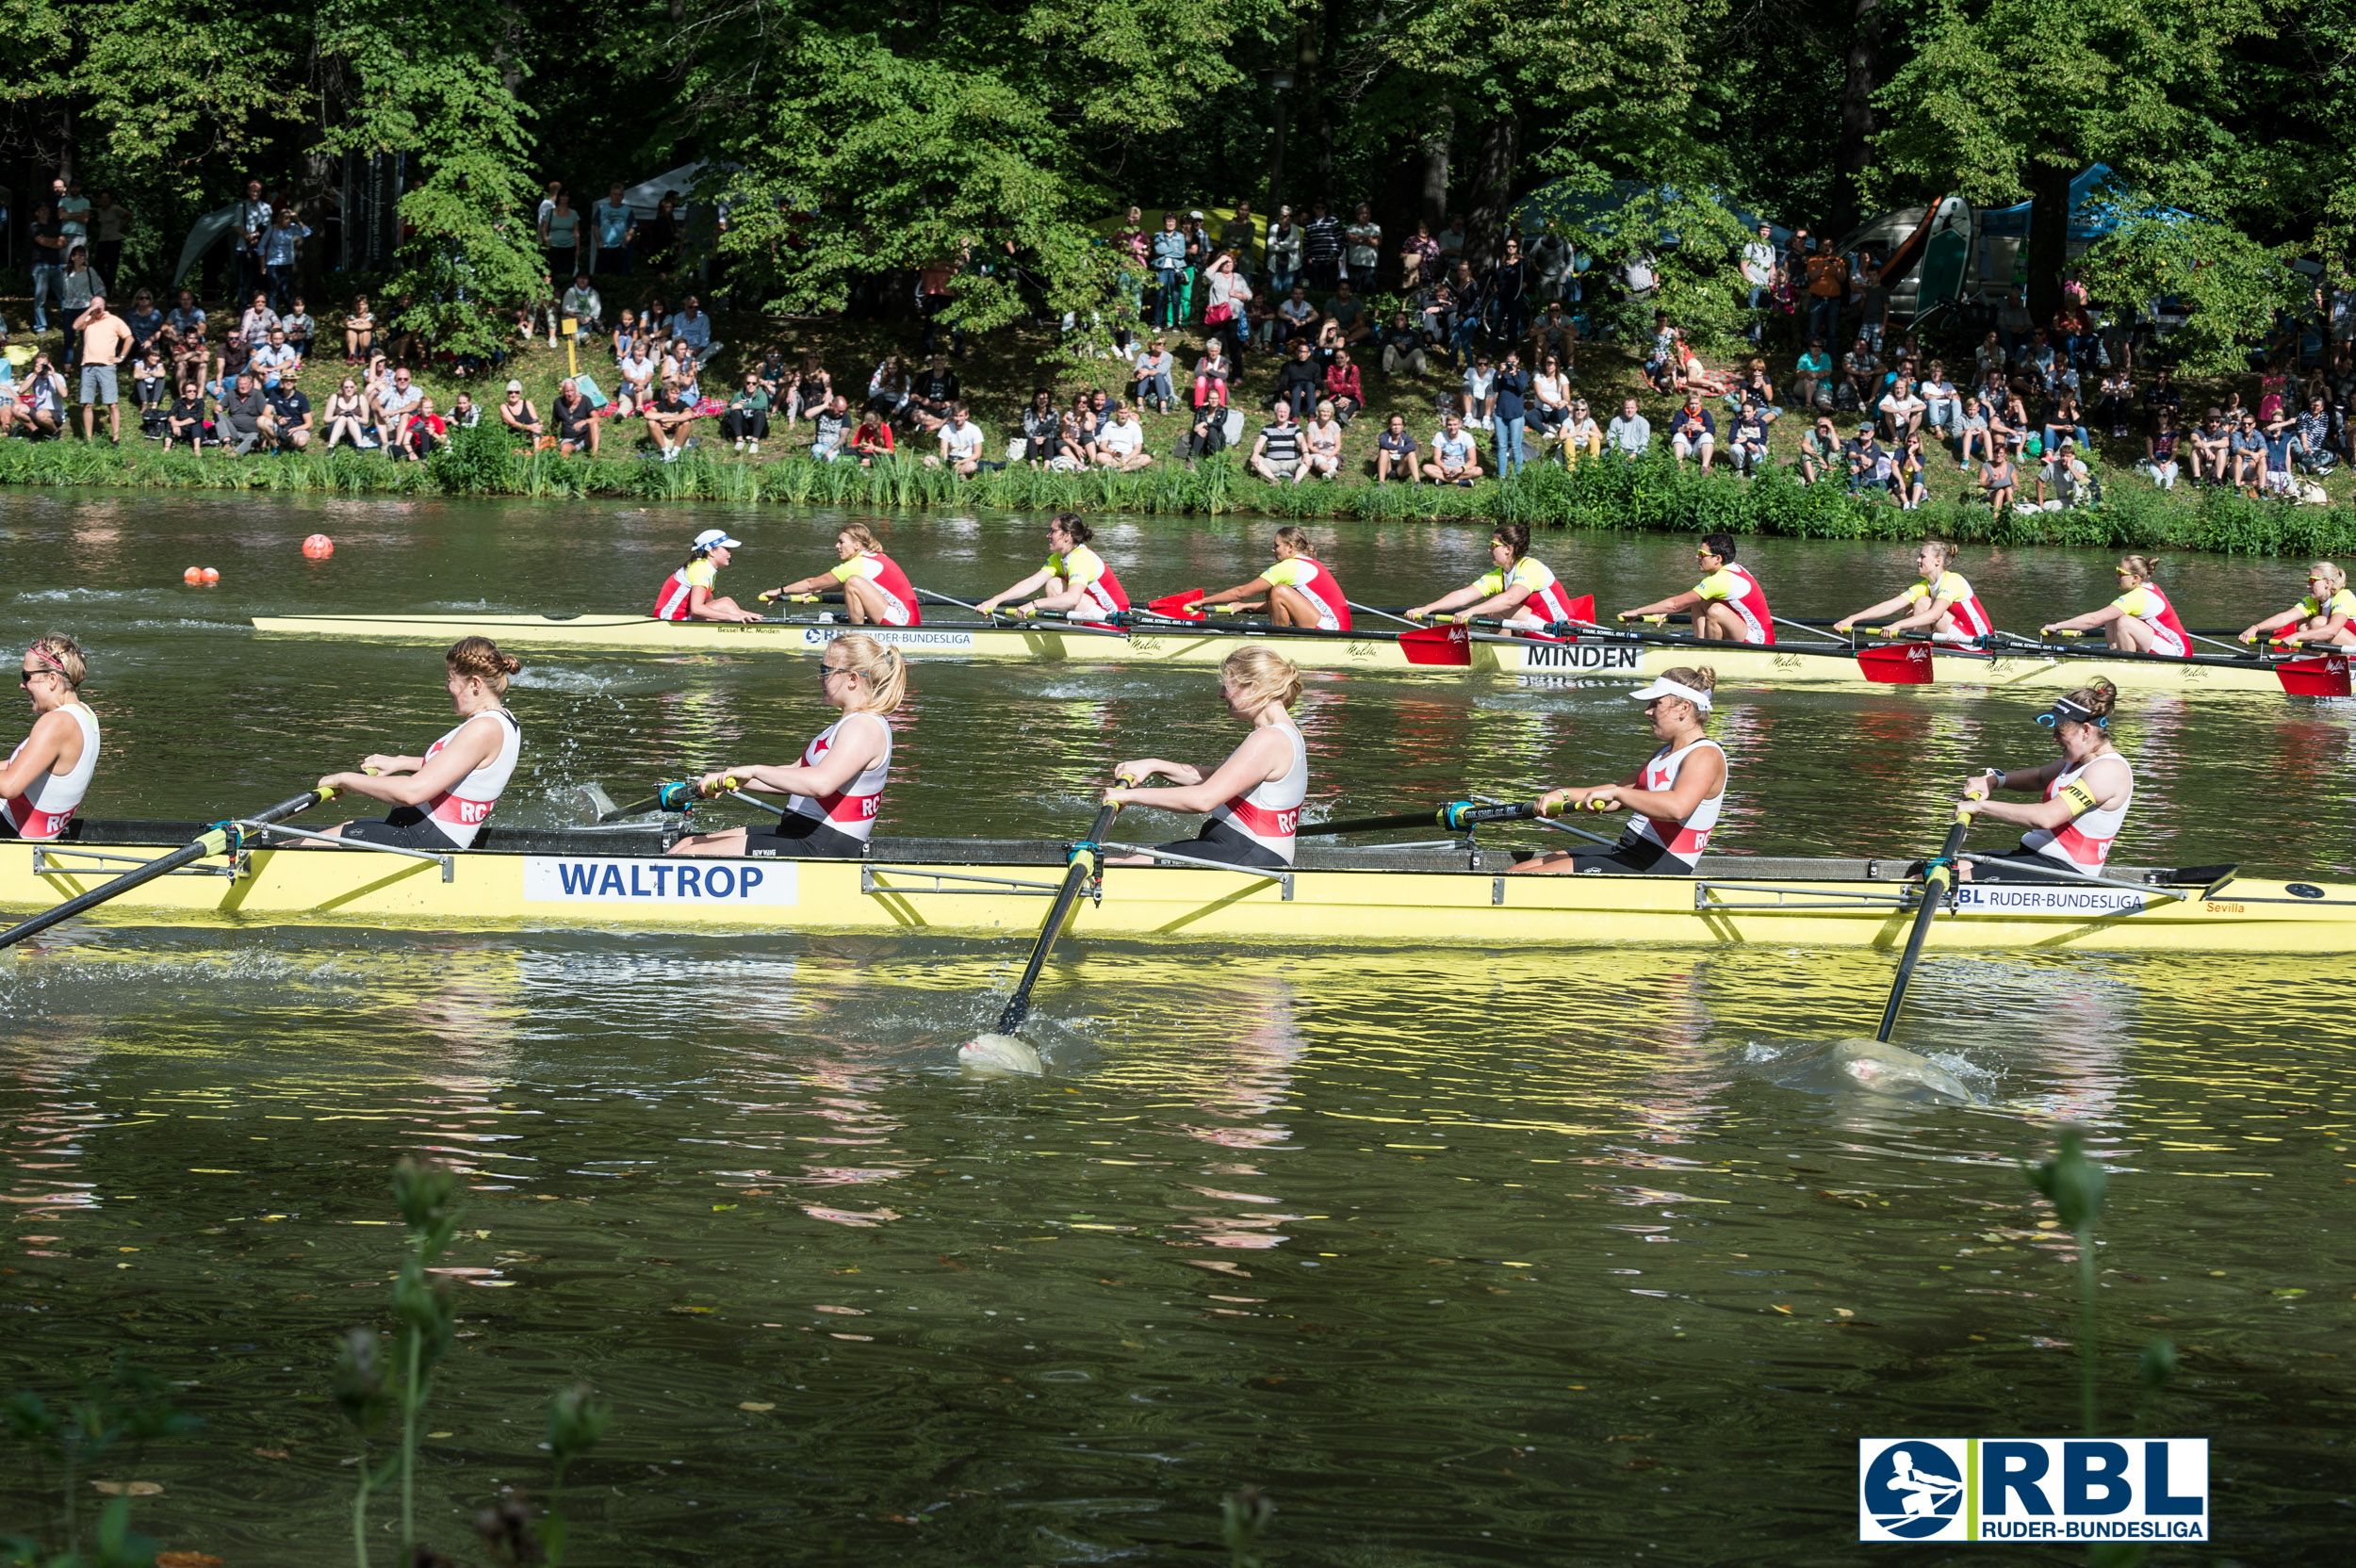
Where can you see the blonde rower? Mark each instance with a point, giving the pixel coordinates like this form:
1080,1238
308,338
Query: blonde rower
2140,620
1253,799
2086,795
876,590
2326,615
1942,603
50,769
1676,794
442,799
687,594
1299,589
837,789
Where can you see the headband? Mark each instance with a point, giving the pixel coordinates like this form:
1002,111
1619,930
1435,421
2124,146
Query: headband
36,651
2067,712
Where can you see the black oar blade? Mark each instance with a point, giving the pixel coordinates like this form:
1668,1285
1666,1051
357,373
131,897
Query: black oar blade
212,842
1937,879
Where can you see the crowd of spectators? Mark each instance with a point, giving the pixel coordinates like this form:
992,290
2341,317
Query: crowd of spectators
1495,350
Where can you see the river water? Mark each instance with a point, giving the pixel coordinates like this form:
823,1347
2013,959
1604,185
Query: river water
1459,1256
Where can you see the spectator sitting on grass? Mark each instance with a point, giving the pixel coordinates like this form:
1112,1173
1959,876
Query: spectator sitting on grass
873,439
1295,318
747,418
275,358
691,326
2065,471
1122,444
286,416
1555,334
1343,388
259,318
1478,398
960,442
831,427
1323,438
518,415
347,416
422,432
241,411
1814,370
1862,366
1350,312
680,362
1041,425
2313,450
186,422
394,403
1630,432
1298,382
1820,451
1454,458
463,412
637,390
150,384
44,409
1211,375
1395,453
1550,397
1693,432
669,419
1403,347
1908,477
1748,442
890,388
584,307
935,393
1867,463
1970,431
575,421
1152,367
1276,454
1582,435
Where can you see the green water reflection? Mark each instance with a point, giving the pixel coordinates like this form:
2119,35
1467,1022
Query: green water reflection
1464,1256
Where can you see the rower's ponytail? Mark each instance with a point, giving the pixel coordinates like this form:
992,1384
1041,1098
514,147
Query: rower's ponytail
883,674
2140,565
1070,522
1703,680
1942,551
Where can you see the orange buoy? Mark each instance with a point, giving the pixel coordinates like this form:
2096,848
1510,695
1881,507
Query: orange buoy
212,575
193,577
318,546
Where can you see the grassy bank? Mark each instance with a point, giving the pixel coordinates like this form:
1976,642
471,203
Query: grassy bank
1653,495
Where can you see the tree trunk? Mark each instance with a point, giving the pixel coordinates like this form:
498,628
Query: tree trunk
1487,215
2049,236
1416,192
1312,112
1856,147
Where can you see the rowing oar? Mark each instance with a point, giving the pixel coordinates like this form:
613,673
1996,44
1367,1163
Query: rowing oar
222,837
1370,610
1001,1050
1937,879
1456,816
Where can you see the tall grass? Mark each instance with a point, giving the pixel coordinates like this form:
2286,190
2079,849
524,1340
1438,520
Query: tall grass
1651,495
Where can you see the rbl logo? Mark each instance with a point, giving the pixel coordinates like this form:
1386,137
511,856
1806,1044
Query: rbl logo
2032,1489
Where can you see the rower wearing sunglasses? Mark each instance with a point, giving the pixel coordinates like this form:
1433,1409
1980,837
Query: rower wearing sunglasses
1728,604
2326,617
49,772
2085,795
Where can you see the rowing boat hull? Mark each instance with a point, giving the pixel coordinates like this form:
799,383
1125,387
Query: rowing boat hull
585,883
1536,662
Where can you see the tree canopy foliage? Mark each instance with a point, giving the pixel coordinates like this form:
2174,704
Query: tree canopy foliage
853,140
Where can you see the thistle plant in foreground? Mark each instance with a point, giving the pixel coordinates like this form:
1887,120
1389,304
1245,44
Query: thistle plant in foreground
427,1318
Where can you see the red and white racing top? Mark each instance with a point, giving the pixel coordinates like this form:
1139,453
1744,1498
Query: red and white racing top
900,607
1684,840
44,808
1549,601
1268,813
1736,587
1084,569
851,809
2150,606
2084,841
1305,573
465,805
1963,605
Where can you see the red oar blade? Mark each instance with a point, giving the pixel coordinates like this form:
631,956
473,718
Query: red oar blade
1438,646
1178,605
2322,676
1583,608
1900,665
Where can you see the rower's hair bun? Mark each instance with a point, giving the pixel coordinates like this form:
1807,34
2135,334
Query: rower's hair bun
480,657
2098,699
1702,679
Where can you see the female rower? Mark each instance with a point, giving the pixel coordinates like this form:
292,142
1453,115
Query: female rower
1676,794
1299,589
2325,615
1944,602
687,593
2086,792
1523,592
2140,620
441,800
837,787
49,772
1253,799
1074,577
872,584
1728,604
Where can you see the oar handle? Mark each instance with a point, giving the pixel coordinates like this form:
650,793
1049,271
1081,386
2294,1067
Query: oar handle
220,839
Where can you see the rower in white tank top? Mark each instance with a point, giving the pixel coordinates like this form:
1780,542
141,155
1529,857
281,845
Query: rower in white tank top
1675,796
441,800
2083,795
462,809
852,809
1253,799
50,771
48,802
